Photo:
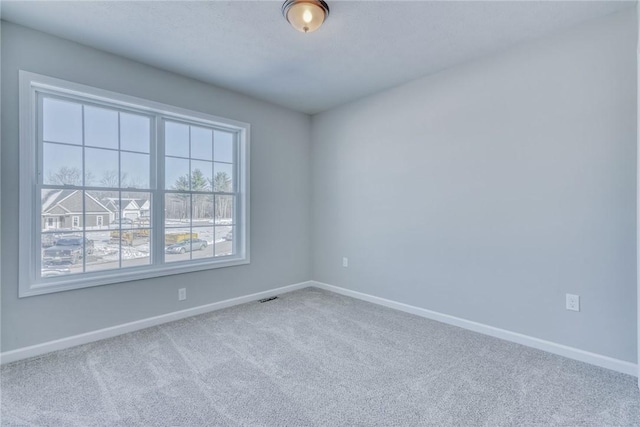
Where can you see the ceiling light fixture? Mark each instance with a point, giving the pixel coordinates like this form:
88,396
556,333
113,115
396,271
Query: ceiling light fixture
305,15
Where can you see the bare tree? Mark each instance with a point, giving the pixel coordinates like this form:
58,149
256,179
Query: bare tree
70,176
110,179
134,182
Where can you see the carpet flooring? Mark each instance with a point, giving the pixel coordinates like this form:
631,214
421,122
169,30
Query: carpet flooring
312,358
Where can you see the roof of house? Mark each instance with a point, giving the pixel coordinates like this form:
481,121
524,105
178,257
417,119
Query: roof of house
142,203
60,202
126,203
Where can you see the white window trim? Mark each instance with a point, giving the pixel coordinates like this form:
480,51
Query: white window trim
30,221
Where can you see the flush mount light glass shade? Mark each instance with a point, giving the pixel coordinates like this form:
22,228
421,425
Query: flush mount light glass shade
305,15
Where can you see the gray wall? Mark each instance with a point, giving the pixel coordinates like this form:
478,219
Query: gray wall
280,182
486,192
490,190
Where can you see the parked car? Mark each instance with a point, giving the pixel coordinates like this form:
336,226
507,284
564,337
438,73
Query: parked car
186,246
229,236
51,236
67,250
123,221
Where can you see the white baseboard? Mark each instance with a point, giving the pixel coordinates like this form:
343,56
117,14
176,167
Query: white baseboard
548,346
63,343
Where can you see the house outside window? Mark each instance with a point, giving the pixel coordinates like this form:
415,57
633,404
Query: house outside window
174,181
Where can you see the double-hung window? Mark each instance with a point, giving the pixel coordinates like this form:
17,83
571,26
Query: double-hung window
115,188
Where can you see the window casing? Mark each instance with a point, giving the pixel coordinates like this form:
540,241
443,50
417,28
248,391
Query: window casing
150,189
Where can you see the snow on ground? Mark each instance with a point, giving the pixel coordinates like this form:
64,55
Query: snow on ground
107,250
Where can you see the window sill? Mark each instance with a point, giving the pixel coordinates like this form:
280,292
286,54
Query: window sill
123,276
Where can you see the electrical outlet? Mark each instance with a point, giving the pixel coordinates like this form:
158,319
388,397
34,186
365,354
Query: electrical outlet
573,302
345,262
182,294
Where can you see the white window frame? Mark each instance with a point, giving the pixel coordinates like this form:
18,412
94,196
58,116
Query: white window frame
30,282
99,221
75,221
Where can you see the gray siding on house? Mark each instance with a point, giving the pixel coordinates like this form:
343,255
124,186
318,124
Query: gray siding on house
66,221
62,206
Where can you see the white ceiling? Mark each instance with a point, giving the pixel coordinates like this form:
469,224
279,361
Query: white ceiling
247,46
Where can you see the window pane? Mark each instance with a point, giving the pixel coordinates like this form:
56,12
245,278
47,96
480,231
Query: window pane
224,240
202,209
64,256
101,167
103,254
118,220
126,211
137,251
202,245
135,170
176,174
53,213
177,251
99,211
201,143
129,236
100,127
61,121
201,175
136,209
62,164
185,245
51,218
223,144
225,206
58,260
178,245
176,139
61,210
223,178
48,239
135,132
177,208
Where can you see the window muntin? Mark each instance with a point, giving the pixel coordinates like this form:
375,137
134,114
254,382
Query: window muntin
134,180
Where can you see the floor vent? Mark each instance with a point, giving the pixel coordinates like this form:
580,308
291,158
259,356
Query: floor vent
267,299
